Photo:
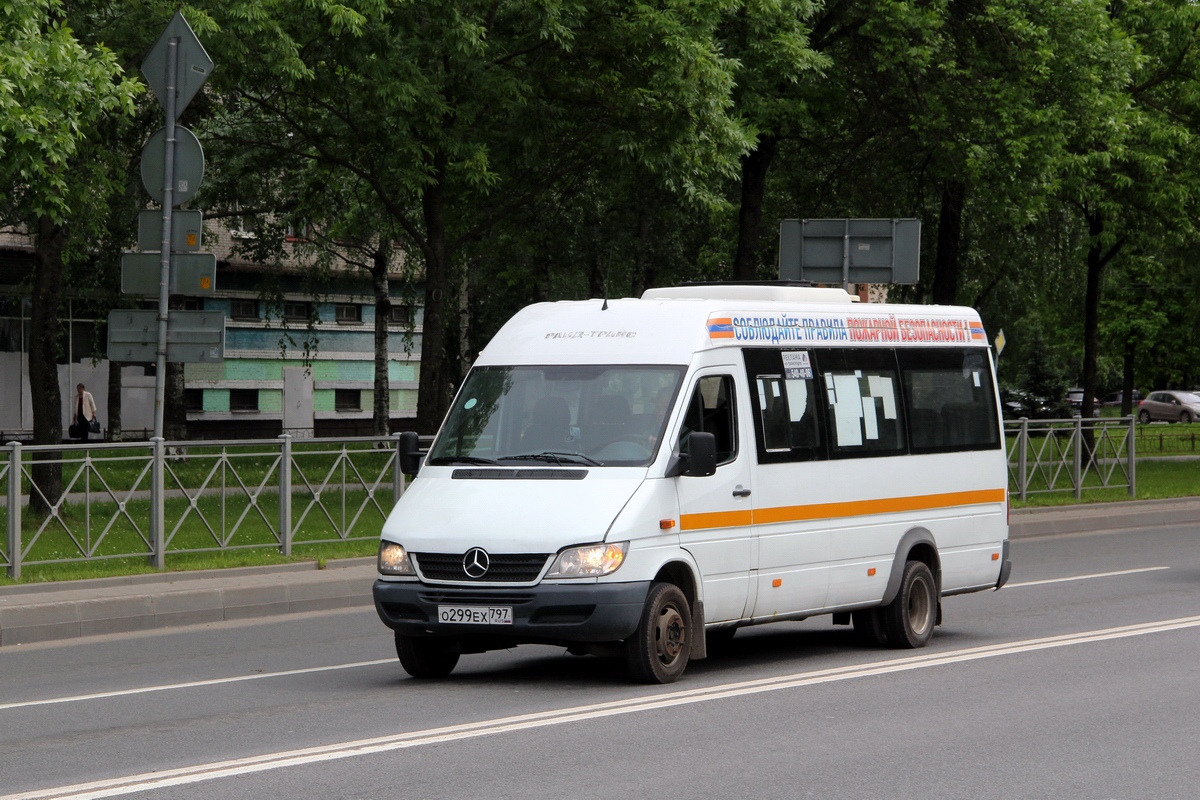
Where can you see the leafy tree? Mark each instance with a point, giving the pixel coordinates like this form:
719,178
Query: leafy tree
53,92
456,115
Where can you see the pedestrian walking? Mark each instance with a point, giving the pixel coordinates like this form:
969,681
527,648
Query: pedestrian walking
85,420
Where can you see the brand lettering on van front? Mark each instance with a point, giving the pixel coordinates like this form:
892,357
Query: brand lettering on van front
592,335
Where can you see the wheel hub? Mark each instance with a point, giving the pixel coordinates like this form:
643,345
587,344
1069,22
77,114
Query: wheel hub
670,635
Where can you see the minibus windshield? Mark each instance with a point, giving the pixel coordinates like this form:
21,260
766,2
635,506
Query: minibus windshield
597,415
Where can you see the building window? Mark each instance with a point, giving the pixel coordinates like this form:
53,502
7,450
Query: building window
297,311
193,304
347,399
243,309
243,399
348,312
299,231
400,315
193,399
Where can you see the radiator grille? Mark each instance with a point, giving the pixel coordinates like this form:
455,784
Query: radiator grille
504,568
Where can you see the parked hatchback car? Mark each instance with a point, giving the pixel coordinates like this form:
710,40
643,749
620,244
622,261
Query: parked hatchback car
1172,406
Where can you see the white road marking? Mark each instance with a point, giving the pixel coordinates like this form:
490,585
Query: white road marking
286,673
192,684
151,781
1085,577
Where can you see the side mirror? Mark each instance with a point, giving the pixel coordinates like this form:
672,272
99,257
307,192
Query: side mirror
700,461
410,453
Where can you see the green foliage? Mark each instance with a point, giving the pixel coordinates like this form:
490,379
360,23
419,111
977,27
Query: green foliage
52,89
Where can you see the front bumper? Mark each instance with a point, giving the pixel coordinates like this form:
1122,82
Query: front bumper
543,614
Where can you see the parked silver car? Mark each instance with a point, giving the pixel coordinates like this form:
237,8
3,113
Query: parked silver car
1172,406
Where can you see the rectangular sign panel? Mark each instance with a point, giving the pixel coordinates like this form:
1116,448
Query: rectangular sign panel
191,273
836,251
187,229
192,336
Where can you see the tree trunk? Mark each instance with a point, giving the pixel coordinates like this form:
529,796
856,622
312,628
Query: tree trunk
1127,377
755,166
597,284
43,363
644,273
949,243
435,390
381,410
114,400
1091,313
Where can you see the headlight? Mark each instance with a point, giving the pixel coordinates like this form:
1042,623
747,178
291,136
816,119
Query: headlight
589,561
393,560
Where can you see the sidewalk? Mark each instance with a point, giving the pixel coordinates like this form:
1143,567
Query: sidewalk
45,612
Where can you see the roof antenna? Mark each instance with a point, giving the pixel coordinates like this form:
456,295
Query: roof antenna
605,306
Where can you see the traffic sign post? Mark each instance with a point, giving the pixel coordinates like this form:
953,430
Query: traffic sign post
187,231
849,251
191,273
192,336
175,68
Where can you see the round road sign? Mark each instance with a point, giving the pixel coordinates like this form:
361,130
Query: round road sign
189,165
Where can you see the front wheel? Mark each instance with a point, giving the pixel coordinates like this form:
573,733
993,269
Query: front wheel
660,648
910,618
1185,417
426,657
1144,417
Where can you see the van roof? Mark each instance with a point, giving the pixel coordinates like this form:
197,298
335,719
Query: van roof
671,324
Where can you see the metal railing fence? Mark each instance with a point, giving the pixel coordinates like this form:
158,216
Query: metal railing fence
151,499
1075,455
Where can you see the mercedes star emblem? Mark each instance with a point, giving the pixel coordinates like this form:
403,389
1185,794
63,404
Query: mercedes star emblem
476,562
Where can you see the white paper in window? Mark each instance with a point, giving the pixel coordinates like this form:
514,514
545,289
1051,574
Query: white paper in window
797,397
848,412
975,377
762,395
881,387
870,423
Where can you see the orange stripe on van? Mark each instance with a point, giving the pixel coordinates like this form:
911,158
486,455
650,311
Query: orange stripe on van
715,519
854,508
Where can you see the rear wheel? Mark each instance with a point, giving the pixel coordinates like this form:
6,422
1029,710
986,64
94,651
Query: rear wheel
1144,417
869,627
659,649
426,657
910,618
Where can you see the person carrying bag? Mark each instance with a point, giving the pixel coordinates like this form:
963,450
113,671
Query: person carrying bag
85,418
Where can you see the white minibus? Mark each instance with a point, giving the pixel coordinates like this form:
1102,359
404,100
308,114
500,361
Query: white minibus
641,477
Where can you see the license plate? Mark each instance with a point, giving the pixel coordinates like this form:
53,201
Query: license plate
476,615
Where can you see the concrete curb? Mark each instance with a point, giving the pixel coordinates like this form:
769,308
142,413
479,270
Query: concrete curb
1101,517
180,599
47,612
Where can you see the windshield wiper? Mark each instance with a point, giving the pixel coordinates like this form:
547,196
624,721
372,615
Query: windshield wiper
443,460
555,458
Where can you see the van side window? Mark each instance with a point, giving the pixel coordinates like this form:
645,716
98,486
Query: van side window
950,400
786,404
862,390
711,410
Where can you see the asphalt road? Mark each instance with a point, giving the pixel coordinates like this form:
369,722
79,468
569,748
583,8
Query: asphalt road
1079,679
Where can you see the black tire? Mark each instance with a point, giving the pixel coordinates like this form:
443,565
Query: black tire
910,618
660,648
426,657
869,627
1185,417
1144,417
